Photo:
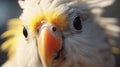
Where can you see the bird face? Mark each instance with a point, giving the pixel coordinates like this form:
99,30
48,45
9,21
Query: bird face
62,32
50,30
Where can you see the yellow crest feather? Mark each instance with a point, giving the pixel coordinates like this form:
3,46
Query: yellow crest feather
52,17
14,29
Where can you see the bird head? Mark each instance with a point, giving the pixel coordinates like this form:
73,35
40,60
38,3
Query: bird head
49,29
59,28
52,22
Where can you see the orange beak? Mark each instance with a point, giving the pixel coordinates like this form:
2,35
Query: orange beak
48,46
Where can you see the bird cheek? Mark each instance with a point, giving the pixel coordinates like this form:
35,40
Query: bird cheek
48,46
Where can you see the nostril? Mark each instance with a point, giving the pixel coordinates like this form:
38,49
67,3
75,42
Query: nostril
54,29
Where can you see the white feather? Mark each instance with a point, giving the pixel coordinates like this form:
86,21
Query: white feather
86,49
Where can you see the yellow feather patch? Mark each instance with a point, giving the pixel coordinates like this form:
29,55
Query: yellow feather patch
52,17
15,28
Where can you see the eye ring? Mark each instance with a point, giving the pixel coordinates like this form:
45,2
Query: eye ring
77,23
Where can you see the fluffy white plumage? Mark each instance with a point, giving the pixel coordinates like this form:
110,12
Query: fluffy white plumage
32,7
86,49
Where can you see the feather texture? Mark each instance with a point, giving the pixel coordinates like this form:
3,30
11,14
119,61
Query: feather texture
15,27
32,8
82,49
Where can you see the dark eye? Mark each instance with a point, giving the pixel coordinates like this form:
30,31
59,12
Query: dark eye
25,33
77,23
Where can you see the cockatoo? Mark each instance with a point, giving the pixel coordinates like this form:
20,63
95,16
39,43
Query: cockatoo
58,33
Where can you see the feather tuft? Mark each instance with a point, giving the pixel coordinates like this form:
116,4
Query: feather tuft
14,27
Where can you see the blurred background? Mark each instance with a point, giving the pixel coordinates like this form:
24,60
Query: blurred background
10,9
